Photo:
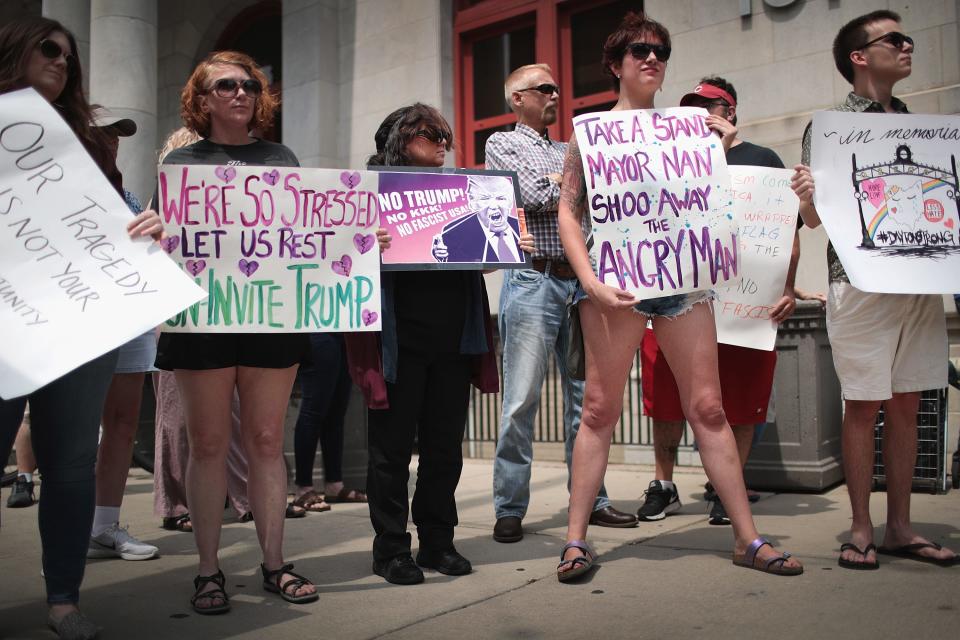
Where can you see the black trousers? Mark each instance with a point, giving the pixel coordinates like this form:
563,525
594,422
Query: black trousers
64,425
325,383
429,402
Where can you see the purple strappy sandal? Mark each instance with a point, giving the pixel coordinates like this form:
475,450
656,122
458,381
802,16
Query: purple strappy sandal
776,565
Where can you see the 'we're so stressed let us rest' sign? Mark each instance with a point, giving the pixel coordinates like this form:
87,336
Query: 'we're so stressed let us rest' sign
277,249
657,199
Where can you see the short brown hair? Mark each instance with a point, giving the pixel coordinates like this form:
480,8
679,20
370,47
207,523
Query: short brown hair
194,117
853,36
633,25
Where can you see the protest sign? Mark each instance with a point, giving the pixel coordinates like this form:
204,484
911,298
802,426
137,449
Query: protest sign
276,249
73,285
657,200
887,194
451,219
765,209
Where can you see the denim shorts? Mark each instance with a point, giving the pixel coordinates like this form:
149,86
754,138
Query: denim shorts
665,307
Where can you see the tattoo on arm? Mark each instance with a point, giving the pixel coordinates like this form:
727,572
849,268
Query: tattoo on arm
573,189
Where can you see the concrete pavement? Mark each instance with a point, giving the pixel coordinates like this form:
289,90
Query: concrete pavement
669,579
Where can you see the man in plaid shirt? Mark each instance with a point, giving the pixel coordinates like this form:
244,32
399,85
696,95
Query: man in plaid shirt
534,303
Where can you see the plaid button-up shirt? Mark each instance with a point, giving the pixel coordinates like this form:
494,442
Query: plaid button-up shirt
533,157
853,104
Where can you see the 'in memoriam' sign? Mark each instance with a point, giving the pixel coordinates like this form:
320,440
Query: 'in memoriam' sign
276,249
460,219
657,199
887,194
73,285
765,209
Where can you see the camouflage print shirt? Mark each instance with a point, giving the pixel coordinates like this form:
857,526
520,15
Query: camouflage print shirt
853,104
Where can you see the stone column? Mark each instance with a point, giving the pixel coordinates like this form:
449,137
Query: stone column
311,81
123,78
75,16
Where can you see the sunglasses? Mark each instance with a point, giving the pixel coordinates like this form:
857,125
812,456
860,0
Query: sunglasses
895,38
230,87
641,51
433,135
546,89
51,50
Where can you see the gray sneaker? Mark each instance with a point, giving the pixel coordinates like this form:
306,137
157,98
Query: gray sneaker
116,542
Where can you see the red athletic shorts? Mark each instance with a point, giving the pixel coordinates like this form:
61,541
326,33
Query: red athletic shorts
746,379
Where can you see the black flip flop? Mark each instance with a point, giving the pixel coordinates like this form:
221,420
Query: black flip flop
909,552
857,566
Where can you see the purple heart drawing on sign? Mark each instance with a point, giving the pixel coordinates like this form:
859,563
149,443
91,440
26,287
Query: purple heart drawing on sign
342,266
170,243
369,317
226,173
196,266
363,243
350,179
271,177
248,267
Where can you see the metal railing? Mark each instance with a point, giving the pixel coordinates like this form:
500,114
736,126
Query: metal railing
634,428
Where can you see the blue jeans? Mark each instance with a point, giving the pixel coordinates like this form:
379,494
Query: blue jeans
64,424
533,320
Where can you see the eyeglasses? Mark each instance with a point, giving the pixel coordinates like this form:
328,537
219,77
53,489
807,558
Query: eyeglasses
51,50
230,87
894,38
546,89
641,51
432,134
714,103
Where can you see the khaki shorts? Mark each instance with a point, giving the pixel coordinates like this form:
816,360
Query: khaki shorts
886,343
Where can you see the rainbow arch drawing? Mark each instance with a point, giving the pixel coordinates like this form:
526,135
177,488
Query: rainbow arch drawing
882,212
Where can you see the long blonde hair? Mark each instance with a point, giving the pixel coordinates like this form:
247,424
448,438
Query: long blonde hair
179,138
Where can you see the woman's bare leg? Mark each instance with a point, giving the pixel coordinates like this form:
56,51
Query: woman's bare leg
121,412
205,396
264,395
611,340
689,342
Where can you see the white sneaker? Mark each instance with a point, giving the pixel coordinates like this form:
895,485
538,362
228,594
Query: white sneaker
116,542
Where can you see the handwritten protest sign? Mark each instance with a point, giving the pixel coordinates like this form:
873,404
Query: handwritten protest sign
276,249
887,194
765,209
657,199
73,285
462,219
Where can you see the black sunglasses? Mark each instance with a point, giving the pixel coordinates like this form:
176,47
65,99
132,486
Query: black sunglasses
230,87
546,89
51,50
895,38
641,51
433,135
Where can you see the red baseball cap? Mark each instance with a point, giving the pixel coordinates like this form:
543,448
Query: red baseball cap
708,92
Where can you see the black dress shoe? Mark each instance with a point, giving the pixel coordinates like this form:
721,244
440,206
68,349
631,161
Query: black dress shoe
610,517
508,529
447,561
399,570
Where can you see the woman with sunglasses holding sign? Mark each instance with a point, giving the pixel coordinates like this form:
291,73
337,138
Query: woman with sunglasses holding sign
224,99
613,322
65,414
437,339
